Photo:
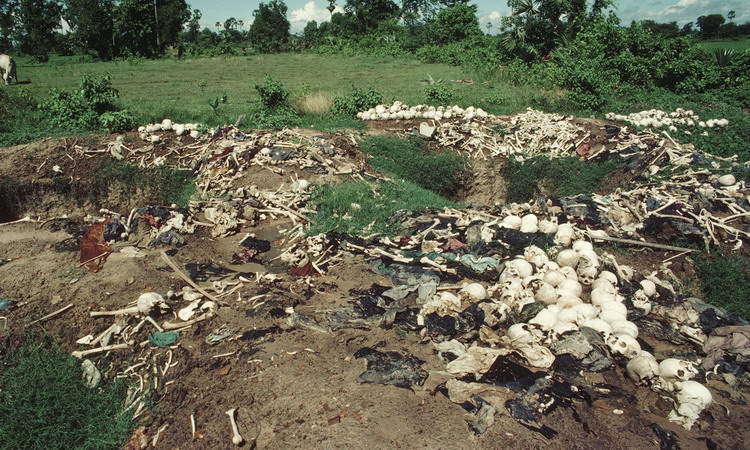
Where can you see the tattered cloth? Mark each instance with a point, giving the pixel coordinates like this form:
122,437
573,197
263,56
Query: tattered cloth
725,339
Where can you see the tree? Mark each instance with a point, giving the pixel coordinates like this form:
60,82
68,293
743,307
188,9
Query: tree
91,24
35,22
454,24
687,28
369,13
194,26
731,15
136,25
310,34
270,29
710,24
536,27
7,8
666,29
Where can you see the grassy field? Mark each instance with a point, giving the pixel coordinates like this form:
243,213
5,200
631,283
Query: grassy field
182,89
735,44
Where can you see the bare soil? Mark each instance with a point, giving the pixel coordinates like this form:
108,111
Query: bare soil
295,387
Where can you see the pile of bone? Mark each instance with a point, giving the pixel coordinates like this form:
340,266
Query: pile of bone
146,132
679,119
578,294
399,110
529,133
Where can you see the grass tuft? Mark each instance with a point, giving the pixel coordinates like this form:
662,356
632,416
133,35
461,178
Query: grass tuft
725,281
359,208
314,103
44,403
559,177
412,161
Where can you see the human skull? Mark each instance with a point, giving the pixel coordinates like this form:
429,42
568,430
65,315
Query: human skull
546,293
584,312
568,258
520,334
601,283
568,301
598,325
554,277
535,256
545,319
672,369
624,327
582,246
474,292
641,301
648,288
599,296
624,345
569,272
512,222
642,369
612,312
692,399
586,275
609,276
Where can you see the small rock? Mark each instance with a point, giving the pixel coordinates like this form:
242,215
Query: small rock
91,375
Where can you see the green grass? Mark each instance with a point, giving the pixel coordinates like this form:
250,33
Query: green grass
738,44
410,160
181,89
163,185
725,281
44,403
359,208
553,177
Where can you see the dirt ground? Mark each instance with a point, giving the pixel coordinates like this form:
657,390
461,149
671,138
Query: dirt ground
293,387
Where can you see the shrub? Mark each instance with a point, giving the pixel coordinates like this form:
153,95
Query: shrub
439,94
314,103
80,108
272,93
411,161
118,121
356,101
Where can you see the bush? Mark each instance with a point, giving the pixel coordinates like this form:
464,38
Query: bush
80,109
559,177
118,121
411,161
272,93
725,280
356,101
439,94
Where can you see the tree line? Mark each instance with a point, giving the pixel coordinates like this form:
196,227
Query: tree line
120,28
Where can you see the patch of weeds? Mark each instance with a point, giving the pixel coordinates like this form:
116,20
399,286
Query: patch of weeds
164,186
359,208
45,404
725,281
273,119
499,129
118,121
80,108
359,99
439,94
560,177
410,160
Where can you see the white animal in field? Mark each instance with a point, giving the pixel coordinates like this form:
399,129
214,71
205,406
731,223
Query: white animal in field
7,68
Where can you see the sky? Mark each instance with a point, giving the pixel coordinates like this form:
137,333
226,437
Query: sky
490,11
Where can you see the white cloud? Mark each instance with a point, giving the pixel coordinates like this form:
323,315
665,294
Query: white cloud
493,18
310,11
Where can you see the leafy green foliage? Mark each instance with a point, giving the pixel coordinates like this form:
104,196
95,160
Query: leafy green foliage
270,29
118,121
359,99
359,208
161,185
439,94
80,108
272,93
454,24
558,177
725,281
44,403
276,118
412,161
